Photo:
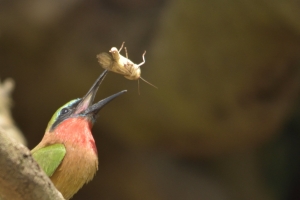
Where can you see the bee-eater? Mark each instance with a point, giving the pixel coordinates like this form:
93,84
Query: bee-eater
67,152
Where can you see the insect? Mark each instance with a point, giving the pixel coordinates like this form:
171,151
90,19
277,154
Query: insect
122,65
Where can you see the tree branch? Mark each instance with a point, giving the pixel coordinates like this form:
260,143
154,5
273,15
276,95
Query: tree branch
6,121
21,178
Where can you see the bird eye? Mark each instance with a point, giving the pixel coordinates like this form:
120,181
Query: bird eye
64,111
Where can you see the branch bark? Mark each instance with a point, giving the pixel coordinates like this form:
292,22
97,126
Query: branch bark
6,121
21,178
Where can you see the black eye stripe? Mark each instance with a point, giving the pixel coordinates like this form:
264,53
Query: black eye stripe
64,111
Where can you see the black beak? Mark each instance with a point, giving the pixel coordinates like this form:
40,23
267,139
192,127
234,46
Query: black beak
94,109
85,106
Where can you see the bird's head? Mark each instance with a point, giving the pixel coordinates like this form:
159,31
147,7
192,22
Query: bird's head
82,108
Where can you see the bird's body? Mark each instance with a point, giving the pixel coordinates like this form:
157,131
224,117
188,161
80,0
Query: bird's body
67,152
80,160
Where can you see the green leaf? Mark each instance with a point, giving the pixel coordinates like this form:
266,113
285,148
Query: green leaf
50,157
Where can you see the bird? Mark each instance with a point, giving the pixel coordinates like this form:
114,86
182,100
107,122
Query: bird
67,152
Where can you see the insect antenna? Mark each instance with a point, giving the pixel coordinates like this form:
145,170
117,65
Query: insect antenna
148,82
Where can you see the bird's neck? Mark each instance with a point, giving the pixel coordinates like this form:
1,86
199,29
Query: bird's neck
76,132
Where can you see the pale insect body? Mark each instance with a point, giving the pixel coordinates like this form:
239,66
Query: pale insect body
122,65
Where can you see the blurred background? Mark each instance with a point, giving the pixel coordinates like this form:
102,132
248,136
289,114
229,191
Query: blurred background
224,121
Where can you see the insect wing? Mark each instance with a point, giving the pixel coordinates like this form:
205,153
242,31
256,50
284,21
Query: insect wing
105,60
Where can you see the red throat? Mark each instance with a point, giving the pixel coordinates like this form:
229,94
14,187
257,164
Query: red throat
76,131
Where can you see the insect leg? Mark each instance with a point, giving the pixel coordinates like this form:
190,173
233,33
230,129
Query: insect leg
126,52
143,60
121,47
129,66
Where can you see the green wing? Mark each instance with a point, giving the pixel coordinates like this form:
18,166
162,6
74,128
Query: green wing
50,157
